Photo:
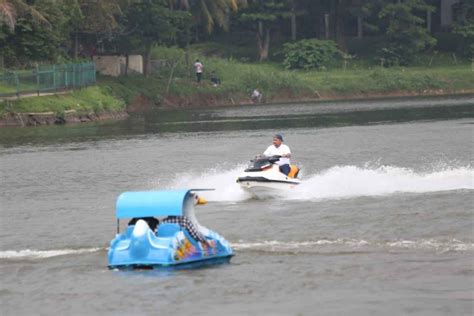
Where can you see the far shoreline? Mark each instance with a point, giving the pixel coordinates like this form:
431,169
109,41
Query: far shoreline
206,101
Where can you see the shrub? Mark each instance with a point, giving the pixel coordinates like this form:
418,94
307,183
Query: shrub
309,54
405,35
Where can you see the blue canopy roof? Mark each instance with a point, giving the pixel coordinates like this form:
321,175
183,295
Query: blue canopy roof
151,203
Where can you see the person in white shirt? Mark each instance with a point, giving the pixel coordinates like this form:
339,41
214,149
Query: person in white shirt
280,149
199,67
256,96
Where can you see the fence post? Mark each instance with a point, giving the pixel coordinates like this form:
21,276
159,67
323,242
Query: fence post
54,77
66,85
79,70
95,72
17,84
37,80
82,75
73,75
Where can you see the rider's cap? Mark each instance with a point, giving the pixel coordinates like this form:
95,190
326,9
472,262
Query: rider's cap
278,136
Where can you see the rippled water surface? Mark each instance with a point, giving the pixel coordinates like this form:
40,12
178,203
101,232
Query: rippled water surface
383,222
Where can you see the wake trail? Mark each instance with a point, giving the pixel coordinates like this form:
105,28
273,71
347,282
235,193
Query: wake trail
42,254
347,244
276,246
338,182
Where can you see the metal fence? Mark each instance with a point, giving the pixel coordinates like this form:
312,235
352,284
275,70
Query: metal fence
49,78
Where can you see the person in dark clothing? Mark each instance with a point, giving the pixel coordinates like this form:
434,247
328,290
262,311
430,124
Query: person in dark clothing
214,79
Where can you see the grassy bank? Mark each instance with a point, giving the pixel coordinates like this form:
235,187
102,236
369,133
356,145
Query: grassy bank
94,99
441,75
173,84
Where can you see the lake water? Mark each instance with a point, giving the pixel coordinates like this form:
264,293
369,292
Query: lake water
383,223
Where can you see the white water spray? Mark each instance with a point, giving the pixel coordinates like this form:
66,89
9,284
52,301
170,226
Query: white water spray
322,245
338,182
41,254
351,181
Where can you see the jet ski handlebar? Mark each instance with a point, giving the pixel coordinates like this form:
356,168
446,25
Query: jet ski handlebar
271,159
261,162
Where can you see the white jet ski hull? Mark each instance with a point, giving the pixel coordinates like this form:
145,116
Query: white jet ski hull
267,183
266,189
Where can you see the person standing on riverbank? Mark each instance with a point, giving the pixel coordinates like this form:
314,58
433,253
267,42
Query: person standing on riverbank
199,69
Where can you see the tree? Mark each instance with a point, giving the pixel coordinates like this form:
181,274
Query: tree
406,34
264,15
205,14
208,13
9,10
464,26
31,37
96,19
152,22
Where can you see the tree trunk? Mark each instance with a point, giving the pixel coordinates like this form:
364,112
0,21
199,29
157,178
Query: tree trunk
146,61
263,42
326,25
293,25
186,51
339,25
428,22
126,63
360,32
171,76
76,44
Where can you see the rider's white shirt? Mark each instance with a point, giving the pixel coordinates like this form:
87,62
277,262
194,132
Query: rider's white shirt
280,151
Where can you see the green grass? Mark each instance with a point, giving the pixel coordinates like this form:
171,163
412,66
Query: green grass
240,78
7,88
385,80
359,77
92,99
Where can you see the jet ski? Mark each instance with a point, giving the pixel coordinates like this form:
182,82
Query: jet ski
263,177
171,245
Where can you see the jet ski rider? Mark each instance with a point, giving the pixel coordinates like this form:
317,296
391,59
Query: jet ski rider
282,150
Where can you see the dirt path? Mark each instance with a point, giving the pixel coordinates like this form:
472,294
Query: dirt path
30,95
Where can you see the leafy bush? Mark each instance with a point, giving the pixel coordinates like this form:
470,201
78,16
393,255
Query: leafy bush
405,34
390,56
309,54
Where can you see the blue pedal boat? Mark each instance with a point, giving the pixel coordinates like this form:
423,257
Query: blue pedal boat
171,245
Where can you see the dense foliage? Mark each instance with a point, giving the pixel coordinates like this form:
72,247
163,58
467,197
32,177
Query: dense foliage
464,26
309,54
405,32
34,31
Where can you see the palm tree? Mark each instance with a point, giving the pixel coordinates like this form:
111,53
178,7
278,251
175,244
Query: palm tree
7,14
9,10
208,13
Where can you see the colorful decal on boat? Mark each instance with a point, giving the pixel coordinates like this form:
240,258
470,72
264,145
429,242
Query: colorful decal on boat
186,250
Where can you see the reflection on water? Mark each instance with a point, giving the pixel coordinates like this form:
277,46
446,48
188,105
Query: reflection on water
327,114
